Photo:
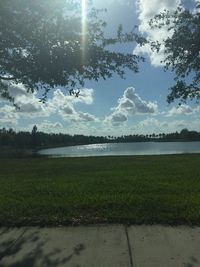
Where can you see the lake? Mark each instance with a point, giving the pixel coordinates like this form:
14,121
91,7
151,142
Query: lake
118,149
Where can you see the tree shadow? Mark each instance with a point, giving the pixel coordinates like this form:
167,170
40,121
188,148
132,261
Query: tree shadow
193,262
16,254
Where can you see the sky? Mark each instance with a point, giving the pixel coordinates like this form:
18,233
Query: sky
134,105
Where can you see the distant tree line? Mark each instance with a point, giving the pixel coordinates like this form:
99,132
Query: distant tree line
37,139
183,135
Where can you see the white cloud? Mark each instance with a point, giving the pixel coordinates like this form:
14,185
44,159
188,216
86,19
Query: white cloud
17,90
87,117
50,127
152,125
68,110
125,114
117,118
60,99
182,110
47,127
130,104
31,107
64,105
85,96
146,11
28,103
8,115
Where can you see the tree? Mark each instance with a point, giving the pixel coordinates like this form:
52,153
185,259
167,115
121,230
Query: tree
34,136
47,43
182,51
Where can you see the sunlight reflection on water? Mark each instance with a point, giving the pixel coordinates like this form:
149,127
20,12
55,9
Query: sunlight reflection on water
119,149
93,147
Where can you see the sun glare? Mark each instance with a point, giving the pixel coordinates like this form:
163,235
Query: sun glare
84,26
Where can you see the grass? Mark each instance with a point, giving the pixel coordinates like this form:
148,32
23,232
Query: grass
129,189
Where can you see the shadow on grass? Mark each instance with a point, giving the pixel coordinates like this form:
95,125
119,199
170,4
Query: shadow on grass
32,249
193,262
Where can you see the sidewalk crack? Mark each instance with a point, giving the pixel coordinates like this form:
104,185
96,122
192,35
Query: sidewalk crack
129,246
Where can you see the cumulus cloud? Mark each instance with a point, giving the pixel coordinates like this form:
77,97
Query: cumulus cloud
47,127
50,127
182,110
59,98
64,105
152,125
87,117
116,118
17,90
85,96
28,103
124,113
146,11
8,115
130,104
67,109
60,103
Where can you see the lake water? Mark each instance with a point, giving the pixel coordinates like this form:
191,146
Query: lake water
117,149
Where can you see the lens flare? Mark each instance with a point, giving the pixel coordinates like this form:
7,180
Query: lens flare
84,27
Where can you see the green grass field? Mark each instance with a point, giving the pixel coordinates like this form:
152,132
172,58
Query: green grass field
135,189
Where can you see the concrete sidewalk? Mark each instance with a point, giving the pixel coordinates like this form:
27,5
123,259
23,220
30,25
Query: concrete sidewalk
100,246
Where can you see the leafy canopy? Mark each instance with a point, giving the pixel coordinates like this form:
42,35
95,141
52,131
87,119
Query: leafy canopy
42,45
182,51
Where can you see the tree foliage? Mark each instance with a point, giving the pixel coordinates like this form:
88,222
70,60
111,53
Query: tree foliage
37,139
182,50
42,45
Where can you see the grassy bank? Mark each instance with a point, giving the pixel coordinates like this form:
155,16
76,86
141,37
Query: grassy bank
136,189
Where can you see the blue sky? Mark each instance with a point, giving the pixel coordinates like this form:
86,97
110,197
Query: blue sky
135,105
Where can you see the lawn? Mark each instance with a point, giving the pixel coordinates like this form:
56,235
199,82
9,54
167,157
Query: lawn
128,189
